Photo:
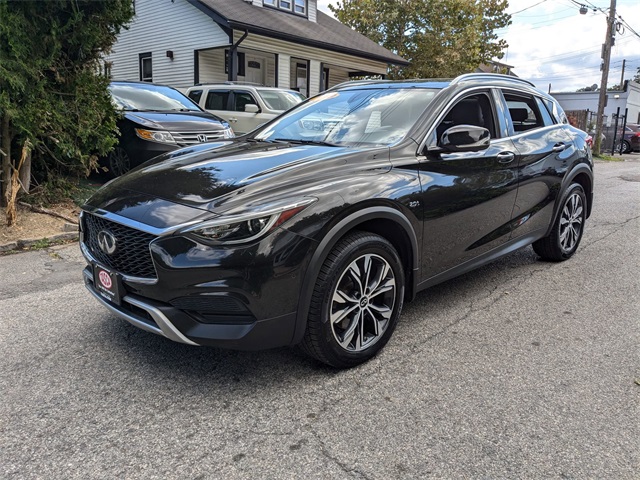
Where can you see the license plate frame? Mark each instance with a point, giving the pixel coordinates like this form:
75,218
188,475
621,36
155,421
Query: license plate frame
107,283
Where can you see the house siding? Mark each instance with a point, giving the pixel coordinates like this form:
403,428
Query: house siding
157,29
315,55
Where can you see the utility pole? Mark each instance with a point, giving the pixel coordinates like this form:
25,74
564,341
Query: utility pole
624,62
606,57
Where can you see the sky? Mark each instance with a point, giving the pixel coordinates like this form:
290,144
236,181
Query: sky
551,43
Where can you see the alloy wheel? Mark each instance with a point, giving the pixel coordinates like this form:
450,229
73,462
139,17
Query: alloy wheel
362,303
571,222
119,162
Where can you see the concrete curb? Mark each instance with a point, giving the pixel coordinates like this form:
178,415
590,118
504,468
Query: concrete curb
30,242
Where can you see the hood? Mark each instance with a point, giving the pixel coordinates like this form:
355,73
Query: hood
205,177
177,121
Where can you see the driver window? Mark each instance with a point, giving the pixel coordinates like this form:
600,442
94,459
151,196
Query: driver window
472,110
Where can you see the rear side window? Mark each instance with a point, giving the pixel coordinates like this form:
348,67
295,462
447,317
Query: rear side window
217,100
524,112
195,95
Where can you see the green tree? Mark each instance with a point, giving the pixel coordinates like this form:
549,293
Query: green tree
441,38
53,99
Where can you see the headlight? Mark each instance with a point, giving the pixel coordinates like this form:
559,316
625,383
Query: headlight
248,226
228,133
155,136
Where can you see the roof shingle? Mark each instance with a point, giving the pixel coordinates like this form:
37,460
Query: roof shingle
327,32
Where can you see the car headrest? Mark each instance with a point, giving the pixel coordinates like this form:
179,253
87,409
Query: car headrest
467,112
519,114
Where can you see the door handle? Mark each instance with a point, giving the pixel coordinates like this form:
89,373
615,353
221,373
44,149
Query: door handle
233,120
505,157
559,147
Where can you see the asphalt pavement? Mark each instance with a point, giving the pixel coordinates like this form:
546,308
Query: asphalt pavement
521,369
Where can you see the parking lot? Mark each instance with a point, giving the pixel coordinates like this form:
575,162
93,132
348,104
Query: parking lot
521,369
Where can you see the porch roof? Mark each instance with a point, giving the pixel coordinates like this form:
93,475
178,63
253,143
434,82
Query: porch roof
327,33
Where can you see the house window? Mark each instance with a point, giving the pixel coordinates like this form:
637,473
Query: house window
146,69
107,69
296,6
241,63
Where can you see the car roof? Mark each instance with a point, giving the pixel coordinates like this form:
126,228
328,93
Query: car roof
465,79
239,85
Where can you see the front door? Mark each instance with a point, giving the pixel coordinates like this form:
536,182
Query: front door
254,69
468,197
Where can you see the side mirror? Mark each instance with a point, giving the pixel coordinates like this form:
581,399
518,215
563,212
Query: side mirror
465,138
251,108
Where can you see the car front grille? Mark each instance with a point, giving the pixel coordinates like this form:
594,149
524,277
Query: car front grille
192,138
131,256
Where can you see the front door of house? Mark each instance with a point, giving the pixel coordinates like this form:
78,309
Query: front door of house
255,68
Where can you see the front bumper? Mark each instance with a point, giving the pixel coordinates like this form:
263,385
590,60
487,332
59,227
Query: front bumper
174,324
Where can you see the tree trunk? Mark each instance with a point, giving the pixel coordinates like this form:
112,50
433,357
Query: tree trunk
5,172
25,174
14,189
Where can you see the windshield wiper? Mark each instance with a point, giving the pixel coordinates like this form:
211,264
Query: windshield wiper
259,140
306,142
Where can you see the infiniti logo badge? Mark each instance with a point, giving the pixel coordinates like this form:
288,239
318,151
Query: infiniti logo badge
202,138
107,242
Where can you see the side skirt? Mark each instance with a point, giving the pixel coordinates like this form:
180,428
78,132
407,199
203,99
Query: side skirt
488,257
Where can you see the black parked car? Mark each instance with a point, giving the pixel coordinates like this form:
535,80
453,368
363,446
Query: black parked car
316,228
157,119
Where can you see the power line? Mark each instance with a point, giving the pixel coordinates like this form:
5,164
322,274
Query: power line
520,11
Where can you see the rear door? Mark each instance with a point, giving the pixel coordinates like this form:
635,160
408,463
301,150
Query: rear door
544,154
217,102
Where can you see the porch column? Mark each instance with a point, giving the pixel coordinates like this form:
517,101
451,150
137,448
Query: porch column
315,76
284,71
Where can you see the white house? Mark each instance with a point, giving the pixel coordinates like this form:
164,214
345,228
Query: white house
283,43
628,98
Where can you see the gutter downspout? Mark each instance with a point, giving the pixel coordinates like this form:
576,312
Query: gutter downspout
233,58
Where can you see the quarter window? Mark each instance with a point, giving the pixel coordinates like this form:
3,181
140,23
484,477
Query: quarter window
546,116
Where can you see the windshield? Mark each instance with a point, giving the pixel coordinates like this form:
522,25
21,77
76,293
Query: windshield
281,100
157,98
362,117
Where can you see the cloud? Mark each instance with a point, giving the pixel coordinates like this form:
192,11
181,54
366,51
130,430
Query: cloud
552,43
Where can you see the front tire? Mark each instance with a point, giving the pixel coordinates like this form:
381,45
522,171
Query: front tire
118,162
356,301
567,231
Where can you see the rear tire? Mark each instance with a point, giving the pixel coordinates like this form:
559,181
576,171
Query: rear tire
626,147
567,231
356,301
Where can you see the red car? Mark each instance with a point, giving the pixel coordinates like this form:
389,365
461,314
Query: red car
630,142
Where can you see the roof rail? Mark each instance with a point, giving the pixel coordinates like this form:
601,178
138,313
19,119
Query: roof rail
230,83
493,76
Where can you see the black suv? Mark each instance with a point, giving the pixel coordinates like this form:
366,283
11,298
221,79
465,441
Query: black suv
156,119
316,228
